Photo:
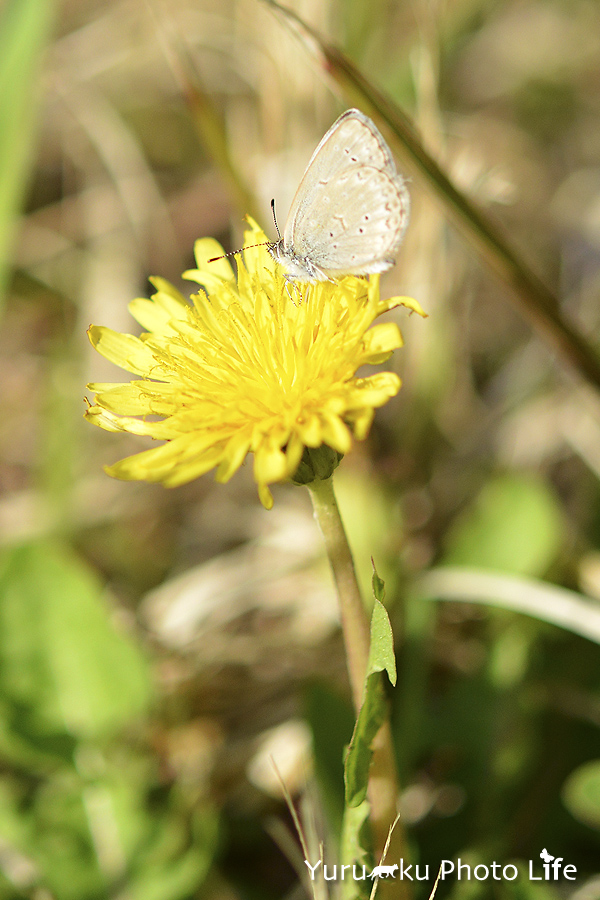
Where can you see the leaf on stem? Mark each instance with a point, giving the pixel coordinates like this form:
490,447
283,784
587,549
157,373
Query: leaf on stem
373,709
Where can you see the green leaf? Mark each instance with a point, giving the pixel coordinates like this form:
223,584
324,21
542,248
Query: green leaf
355,849
381,652
24,29
378,584
581,793
65,667
373,710
514,525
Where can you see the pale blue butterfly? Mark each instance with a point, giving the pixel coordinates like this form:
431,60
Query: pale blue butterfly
351,208
350,211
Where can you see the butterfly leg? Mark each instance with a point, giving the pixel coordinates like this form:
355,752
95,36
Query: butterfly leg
295,290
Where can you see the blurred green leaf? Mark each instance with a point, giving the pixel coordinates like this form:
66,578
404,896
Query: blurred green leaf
64,665
172,872
373,709
331,721
510,655
581,794
49,828
525,889
371,520
522,888
60,842
27,745
24,29
514,525
82,836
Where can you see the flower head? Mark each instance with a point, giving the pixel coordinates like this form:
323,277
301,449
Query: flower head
250,366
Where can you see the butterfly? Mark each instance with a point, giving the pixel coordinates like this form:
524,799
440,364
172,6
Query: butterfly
351,208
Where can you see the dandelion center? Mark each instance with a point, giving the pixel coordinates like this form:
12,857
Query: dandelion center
247,367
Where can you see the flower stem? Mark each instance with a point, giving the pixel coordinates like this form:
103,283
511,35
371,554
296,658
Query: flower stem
355,622
383,779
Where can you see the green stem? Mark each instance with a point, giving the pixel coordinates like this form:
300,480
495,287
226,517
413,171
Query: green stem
355,622
383,777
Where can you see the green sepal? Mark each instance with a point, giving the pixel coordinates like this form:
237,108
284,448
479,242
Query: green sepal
317,464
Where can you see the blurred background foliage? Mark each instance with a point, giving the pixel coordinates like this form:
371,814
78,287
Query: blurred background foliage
158,647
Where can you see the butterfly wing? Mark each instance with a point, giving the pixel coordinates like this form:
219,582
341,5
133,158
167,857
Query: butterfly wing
358,224
351,207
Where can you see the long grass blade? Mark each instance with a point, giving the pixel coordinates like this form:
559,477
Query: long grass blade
548,602
24,29
205,117
533,298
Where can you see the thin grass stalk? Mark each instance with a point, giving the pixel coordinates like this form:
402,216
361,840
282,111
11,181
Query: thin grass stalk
25,26
533,298
205,117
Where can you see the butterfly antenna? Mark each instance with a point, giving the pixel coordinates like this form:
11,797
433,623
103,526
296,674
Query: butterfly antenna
275,218
233,252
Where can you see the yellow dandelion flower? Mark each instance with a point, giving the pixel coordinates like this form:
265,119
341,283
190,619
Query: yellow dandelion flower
250,366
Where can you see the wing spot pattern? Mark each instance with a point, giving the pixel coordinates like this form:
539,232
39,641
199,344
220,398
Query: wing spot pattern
366,215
